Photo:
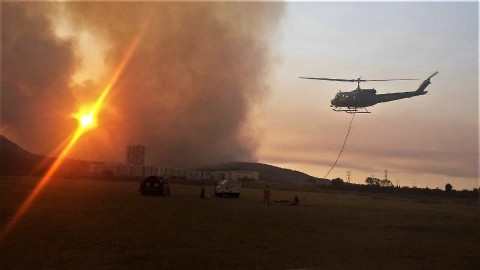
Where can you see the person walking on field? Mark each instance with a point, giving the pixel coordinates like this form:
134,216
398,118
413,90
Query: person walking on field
202,192
167,189
266,195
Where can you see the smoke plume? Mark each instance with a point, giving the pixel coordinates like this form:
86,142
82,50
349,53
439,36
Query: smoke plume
186,93
36,68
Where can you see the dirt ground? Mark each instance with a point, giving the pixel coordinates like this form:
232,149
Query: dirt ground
94,224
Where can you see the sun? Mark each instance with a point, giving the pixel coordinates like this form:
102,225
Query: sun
86,119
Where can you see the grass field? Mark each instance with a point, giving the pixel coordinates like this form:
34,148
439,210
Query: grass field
94,224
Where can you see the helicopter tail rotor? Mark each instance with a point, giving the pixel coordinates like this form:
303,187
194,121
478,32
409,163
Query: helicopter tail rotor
431,76
421,88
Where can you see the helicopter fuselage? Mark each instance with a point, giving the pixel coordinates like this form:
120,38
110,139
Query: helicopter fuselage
355,98
368,97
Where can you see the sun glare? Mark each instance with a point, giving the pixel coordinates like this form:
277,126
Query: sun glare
86,118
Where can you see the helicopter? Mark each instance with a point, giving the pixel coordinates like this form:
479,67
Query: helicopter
358,100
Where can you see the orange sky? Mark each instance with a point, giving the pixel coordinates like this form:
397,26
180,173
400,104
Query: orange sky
216,82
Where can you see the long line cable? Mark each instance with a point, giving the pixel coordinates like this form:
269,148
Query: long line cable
338,157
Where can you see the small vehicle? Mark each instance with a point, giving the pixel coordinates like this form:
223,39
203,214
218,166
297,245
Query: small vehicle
152,185
228,188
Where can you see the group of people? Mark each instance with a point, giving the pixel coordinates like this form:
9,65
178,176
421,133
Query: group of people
167,190
267,194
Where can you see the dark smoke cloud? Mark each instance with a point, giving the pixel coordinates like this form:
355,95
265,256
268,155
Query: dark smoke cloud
36,69
188,90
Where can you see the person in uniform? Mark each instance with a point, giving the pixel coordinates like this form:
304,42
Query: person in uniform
167,189
202,192
266,195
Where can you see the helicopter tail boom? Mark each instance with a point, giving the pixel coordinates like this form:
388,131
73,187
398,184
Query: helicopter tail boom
395,96
421,88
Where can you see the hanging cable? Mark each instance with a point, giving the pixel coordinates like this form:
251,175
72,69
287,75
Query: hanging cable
338,157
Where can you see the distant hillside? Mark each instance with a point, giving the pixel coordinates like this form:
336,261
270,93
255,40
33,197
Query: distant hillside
269,173
14,160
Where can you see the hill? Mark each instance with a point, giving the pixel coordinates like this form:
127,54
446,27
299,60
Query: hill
15,160
269,173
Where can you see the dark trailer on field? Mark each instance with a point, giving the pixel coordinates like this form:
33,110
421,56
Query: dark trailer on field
152,185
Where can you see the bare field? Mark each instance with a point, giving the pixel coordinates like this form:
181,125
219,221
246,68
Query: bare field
93,224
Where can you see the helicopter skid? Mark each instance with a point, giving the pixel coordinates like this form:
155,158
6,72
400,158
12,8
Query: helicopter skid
352,110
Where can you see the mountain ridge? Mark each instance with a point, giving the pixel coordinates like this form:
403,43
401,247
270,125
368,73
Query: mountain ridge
14,160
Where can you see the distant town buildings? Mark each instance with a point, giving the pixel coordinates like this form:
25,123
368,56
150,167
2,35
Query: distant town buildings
135,167
123,170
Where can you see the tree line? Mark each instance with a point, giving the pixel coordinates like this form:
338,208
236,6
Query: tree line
373,184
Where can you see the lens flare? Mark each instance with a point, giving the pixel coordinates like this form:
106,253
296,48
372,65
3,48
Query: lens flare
87,116
87,120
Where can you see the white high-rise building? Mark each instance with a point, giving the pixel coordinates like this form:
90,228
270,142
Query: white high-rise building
136,155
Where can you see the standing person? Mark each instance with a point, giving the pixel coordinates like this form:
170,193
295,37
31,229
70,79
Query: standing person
202,192
266,195
167,189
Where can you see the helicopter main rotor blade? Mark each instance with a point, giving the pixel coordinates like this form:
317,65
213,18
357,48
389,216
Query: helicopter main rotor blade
328,79
387,80
355,80
436,72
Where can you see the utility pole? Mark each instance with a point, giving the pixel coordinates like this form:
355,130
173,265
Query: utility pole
348,176
386,174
